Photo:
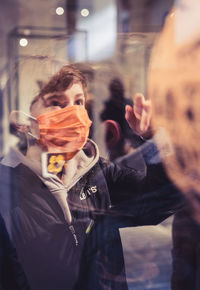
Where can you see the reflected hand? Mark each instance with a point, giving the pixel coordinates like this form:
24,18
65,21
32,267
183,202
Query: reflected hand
139,116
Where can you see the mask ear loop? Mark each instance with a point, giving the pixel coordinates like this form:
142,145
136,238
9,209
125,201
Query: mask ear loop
30,134
33,118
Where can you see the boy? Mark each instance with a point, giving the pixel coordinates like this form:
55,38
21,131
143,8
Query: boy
65,204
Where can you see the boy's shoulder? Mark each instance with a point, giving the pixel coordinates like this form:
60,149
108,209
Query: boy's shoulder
104,162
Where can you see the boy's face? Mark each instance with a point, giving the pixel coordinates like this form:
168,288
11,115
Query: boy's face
74,95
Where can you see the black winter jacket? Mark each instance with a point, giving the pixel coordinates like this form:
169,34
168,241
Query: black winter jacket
88,256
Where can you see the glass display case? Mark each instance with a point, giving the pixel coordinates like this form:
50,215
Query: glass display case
34,54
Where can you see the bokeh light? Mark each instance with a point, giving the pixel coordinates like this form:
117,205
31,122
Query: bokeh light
23,42
60,11
85,12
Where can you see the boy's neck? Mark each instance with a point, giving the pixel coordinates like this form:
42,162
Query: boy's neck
34,153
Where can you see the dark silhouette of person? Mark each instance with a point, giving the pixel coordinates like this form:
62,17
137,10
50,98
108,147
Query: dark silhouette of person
119,137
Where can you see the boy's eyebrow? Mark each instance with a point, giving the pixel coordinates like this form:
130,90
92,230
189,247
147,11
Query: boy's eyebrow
53,96
60,95
79,95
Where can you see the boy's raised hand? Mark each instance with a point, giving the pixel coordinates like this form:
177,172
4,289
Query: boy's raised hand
139,116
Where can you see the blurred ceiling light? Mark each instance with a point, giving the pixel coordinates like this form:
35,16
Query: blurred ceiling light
85,12
27,32
23,42
60,11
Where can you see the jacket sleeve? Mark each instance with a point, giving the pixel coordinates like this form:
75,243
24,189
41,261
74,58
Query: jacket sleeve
141,198
13,276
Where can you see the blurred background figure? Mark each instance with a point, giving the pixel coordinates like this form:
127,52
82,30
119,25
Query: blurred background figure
119,138
175,92
117,129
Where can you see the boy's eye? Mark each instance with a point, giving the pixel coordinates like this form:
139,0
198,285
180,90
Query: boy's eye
55,103
79,102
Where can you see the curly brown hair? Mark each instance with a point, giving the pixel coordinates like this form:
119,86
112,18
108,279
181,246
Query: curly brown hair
63,79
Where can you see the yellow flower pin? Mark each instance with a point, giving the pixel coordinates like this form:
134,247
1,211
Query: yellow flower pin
56,163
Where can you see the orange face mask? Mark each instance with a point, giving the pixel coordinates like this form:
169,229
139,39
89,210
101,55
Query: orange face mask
64,130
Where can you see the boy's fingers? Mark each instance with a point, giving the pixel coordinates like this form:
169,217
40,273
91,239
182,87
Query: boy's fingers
144,121
139,117
146,117
138,99
129,115
139,102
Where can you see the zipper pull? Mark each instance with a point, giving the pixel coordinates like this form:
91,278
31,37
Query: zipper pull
89,227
